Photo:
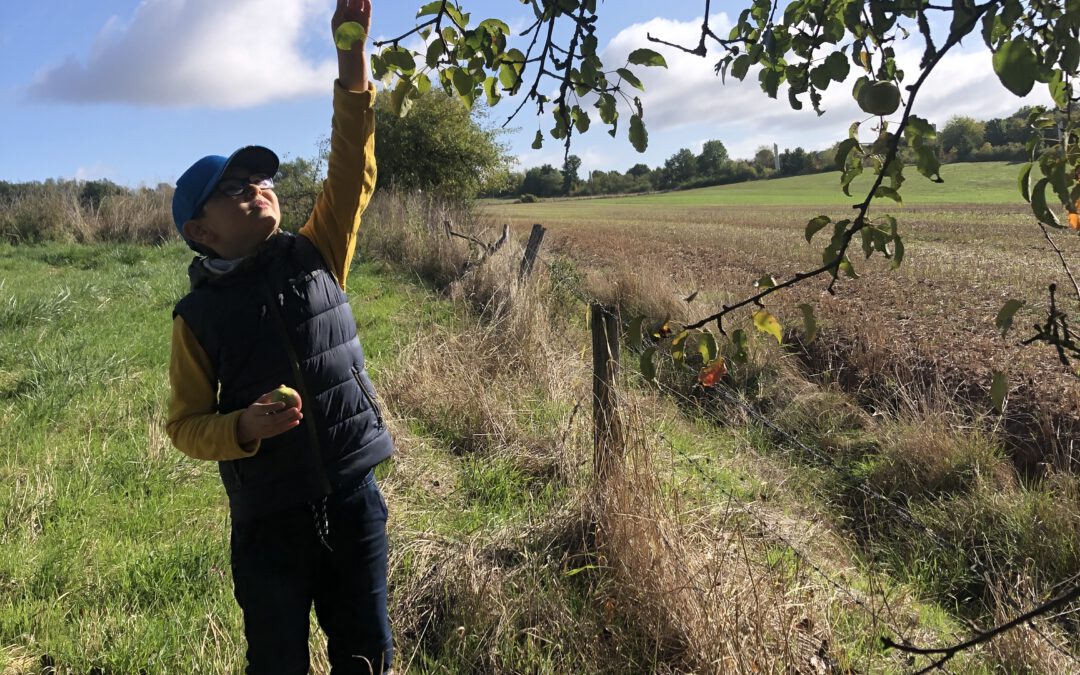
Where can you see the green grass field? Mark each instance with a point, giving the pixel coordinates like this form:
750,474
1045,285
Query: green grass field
114,551
969,183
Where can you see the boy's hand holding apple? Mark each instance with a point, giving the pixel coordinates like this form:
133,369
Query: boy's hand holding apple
274,412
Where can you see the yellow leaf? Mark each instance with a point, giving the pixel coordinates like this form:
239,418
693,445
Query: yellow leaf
767,323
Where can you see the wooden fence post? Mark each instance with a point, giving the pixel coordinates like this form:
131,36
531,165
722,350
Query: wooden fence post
536,237
607,427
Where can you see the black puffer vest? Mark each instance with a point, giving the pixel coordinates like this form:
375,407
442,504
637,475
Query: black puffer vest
280,318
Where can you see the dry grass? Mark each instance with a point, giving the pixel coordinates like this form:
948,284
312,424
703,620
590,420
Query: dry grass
923,331
56,213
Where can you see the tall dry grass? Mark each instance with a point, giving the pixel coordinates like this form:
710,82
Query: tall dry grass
660,583
58,212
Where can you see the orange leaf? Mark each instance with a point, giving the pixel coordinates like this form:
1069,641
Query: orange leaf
1074,221
712,372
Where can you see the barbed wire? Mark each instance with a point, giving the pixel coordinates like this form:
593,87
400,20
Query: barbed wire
898,508
901,510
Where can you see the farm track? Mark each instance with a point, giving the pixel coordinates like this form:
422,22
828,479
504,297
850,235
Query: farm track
926,329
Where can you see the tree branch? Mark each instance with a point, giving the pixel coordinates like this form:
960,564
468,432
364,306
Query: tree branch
1061,257
860,219
949,652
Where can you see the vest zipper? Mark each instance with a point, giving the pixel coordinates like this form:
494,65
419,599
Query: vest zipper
294,363
370,397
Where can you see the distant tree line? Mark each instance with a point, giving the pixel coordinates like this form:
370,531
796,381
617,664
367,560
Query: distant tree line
962,139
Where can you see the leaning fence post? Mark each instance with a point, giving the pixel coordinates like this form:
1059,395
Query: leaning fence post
531,250
607,428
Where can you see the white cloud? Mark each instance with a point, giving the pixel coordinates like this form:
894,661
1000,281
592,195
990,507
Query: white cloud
93,171
688,96
196,53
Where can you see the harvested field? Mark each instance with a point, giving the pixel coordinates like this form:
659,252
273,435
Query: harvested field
926,329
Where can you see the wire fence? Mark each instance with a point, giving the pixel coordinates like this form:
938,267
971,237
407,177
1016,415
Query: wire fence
792,446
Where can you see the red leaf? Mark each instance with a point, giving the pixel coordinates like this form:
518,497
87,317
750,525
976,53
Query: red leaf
711,373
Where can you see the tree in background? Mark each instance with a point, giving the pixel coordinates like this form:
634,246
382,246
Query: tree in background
713,157
570,173
764,159
440,147
793,162
543,181
962,136
298,183
679,168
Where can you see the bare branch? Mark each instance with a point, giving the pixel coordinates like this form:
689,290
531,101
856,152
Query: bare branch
948,653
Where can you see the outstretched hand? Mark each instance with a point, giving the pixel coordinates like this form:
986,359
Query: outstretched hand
352,64
352,10
266,418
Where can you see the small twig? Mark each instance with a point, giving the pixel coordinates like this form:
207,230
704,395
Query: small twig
1061,256
949,652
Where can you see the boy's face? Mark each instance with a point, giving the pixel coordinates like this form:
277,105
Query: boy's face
234,226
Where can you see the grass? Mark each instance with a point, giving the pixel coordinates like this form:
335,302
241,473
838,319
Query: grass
703,553
980,183
115,547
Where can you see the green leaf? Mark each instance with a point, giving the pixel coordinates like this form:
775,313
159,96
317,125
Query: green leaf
434,51
400,102
630,77
648,368
707,347
1039,206
898,252
538,142
639,137
766,281
348,34
1004,319
883,191
740,342
678,348
809,322
581,119
928,164
402,59
422,83
429,9
635,332
1015,63
492,92
510,70
767,323
646,57
740,66
847,268
463,82
606,104
815,225
999,387
843,150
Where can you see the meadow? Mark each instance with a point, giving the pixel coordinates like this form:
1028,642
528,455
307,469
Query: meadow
786,525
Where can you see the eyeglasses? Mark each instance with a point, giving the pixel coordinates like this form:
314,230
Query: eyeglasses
234,187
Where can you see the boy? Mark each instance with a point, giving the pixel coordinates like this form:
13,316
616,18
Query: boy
268,308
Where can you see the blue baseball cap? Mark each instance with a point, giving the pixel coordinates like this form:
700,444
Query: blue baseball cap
196,184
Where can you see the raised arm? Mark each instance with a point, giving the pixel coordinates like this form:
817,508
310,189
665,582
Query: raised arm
351,171
352,64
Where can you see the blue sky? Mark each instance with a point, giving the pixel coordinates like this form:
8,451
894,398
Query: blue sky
135,91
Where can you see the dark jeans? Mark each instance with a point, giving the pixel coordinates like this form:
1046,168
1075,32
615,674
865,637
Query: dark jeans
281,565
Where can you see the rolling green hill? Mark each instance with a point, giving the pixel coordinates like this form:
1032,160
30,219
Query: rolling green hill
983,182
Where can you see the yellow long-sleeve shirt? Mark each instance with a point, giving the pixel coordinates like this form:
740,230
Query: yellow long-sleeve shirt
194,426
